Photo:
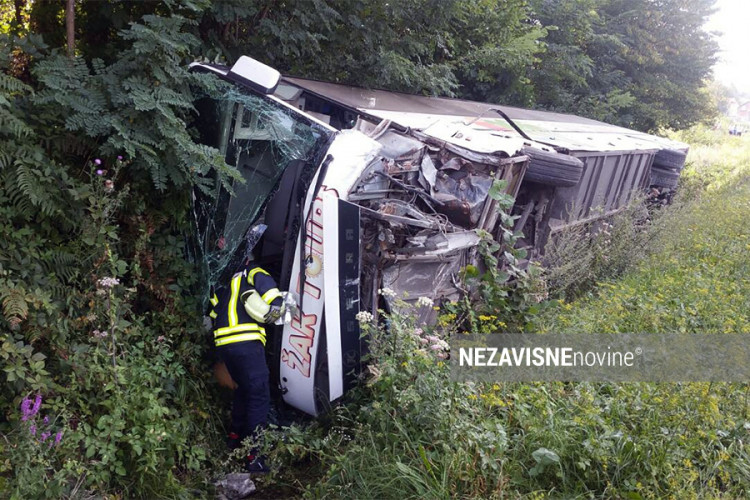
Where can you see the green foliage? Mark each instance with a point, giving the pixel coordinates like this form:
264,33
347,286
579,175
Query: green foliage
119,366
412,433
415,433
456,47
139,105
716,160
641,64
695,280
578,257
504,293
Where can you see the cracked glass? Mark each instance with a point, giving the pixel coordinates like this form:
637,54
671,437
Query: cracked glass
260,137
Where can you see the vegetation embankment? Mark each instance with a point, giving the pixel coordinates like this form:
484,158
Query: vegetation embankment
416,434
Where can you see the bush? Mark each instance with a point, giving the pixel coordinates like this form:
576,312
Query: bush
411,432
99,316
581,255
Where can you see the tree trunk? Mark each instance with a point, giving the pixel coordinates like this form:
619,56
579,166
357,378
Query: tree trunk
70,19
19,5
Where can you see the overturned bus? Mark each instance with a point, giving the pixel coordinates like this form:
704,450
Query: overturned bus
350,190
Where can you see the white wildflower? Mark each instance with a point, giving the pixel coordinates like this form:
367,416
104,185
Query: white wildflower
100,335
107,282
364,317
387,293
425,302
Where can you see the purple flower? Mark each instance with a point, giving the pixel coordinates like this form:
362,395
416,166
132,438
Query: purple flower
44,436
32,429
46,420
25,409
97,162
119,158
100,172
28,411
58,437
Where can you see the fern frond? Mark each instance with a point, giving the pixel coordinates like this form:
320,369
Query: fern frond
62,264
14,304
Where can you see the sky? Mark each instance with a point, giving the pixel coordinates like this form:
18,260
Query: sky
733,20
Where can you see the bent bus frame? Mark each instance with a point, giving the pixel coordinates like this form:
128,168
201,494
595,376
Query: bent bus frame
348,191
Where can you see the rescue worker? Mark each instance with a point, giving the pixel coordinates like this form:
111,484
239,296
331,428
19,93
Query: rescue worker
239,310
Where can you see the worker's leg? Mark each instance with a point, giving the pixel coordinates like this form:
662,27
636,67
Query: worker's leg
246,363
259,403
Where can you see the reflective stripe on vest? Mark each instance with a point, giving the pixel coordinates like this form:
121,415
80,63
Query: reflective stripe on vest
271,295
232,309
253,272
238,333
240,337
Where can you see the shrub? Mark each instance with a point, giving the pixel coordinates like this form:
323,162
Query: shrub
581,255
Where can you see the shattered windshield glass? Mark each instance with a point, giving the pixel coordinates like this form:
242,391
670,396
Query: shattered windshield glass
261,138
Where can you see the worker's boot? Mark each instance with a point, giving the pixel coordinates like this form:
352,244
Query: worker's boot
233,441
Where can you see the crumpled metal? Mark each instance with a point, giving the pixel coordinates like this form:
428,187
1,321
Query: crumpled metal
463,196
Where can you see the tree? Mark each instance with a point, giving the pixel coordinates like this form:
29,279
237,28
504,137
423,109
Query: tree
479,50
640,63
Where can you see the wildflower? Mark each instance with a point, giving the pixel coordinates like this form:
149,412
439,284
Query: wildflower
107,282
32,429
160,338
99,172
424,341
387,293
424,302
97,162
99,335
58,438
364,317
442,355
46,420
119,158
109,186
418,332
436,347
433,338
44,436
27,410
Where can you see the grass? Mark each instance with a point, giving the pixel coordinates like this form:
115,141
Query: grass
696,278
414,433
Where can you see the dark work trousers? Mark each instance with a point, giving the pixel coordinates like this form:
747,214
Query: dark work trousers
246,363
